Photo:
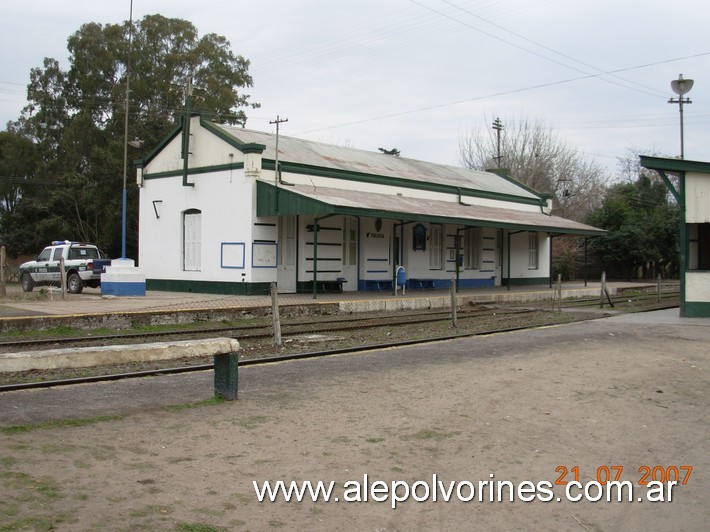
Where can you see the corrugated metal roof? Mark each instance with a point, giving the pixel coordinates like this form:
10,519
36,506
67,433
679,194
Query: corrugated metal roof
342,158
340,201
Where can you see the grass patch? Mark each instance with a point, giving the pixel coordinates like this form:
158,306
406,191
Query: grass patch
29,489
151,509
197,527
251,422
60,424
7,461
426,434
37,523
374,440
216,400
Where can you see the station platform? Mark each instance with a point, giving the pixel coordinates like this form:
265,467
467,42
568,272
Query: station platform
17,308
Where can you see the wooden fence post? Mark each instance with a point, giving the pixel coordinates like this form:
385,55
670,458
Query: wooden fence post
3,287
452,291
63,277
276,320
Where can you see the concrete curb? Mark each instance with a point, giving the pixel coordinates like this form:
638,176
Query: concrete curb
444,301
115,354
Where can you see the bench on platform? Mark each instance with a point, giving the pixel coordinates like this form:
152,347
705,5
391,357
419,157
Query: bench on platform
377,284
223,350
334,286
418,284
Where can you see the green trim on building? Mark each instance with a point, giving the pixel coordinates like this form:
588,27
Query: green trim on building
195,171
674,165
298,168
208,287
694,309
229,139
280,201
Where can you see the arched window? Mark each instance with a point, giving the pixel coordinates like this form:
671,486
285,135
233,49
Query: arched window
192,240
419,237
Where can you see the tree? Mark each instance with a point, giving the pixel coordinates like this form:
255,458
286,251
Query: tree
76,118
17,161
642,229
535,156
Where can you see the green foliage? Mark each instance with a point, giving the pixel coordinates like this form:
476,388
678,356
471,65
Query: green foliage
75,123
18,429
17,164
642,225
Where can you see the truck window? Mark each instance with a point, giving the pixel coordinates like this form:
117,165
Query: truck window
83,253
44,255
57,254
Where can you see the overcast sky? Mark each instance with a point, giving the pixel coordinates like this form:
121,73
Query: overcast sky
419,74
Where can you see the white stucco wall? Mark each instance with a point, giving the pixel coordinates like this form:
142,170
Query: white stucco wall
224,198
519,257
697,287
697,198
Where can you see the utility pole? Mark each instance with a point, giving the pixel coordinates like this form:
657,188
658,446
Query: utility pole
278,121
124,194
498,126
681,86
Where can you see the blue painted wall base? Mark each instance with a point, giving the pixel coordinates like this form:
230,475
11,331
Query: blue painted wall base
122,289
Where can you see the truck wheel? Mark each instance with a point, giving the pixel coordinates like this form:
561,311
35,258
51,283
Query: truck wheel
27,283
74,283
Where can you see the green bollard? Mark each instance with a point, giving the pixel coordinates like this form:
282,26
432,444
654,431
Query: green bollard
226,376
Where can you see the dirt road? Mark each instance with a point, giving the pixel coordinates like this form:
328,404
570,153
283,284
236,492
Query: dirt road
629,391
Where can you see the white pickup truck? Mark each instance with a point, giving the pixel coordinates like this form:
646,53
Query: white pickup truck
83,263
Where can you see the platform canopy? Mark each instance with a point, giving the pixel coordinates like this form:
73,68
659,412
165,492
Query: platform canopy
291,200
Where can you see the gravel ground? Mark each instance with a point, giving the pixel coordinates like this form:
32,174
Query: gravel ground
624,393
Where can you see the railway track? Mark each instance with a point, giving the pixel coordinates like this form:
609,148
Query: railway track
328,325
258,331
255,361
594,301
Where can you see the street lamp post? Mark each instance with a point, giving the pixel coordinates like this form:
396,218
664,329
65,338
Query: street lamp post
681,87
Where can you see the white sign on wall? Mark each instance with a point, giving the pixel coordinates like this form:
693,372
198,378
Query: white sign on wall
233,255
263,255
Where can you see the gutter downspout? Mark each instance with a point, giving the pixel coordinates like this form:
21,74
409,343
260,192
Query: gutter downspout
186,135
457,252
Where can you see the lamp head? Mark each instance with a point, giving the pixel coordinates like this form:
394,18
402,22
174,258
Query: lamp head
681,86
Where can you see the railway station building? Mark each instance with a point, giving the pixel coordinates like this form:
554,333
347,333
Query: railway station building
217,217
691,190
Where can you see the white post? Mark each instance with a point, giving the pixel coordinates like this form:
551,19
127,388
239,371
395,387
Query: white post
275,314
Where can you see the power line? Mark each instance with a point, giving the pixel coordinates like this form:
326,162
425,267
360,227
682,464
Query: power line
502,93
562,54
519,47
